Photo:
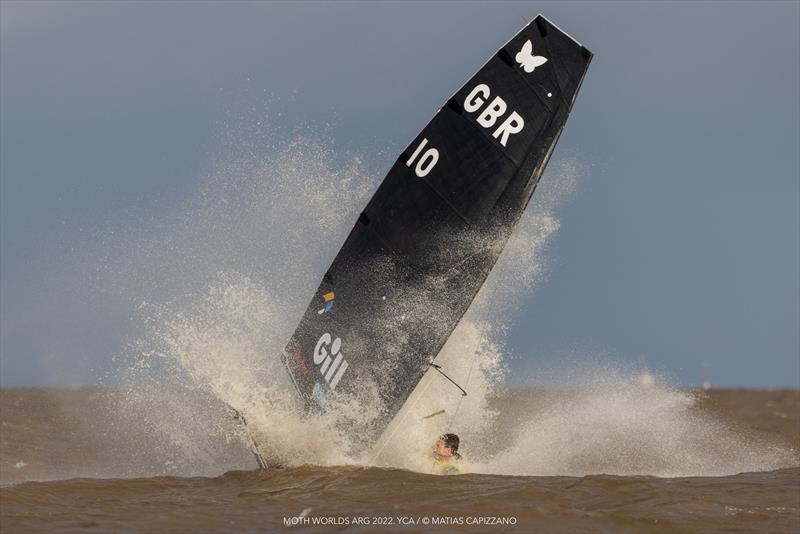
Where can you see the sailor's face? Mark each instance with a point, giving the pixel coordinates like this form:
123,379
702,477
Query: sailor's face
440,449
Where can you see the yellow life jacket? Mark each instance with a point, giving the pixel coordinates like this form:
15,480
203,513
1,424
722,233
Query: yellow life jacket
447,466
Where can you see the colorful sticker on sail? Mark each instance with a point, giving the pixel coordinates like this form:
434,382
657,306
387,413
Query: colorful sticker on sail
327,302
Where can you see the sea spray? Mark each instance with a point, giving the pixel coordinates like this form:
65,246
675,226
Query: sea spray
221,284
236,267
230,271
616,419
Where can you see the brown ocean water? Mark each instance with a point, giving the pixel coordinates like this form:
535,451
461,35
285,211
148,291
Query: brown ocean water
68,464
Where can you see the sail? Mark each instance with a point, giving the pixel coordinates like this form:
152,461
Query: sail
426,241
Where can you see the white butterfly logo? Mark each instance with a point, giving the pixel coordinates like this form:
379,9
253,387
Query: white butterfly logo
527,60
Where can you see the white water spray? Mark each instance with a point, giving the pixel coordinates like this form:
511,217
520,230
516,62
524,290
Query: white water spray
236,267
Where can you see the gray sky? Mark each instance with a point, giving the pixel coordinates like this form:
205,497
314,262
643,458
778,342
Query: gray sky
680,249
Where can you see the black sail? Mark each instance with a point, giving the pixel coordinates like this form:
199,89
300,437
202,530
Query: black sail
427,239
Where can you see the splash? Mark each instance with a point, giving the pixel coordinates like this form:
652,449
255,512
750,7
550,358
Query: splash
227,278
224,283
608,419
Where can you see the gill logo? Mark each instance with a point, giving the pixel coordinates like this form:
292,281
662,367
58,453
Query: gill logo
527,60
333,362
327,302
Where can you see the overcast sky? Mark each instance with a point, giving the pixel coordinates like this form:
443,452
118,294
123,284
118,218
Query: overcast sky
680,248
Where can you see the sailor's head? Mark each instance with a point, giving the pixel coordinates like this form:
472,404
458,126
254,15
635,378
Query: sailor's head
446,446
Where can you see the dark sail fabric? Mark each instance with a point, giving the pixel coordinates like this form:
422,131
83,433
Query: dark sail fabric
428,238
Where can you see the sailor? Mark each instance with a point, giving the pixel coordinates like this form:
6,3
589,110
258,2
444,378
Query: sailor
446,457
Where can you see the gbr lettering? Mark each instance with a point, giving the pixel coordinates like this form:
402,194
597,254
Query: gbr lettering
492,111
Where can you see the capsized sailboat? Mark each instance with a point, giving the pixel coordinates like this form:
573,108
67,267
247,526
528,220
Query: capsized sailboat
428,238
